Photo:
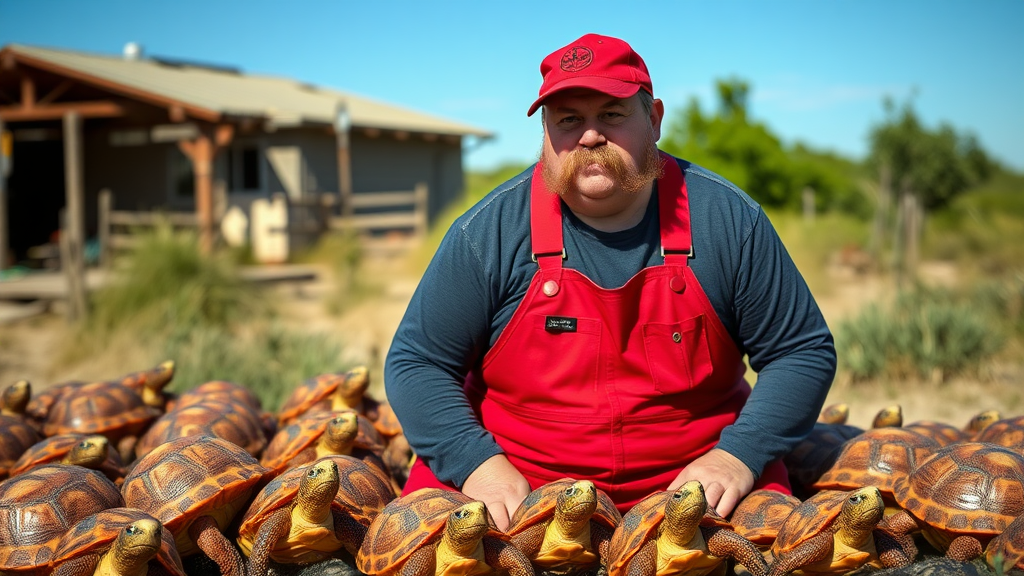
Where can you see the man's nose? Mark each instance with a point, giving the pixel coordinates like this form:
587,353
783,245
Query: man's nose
592,138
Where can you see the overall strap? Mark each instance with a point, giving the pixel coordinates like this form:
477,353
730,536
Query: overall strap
545,223
674,213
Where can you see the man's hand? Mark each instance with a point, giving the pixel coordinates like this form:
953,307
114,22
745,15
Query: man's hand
725,479
499,486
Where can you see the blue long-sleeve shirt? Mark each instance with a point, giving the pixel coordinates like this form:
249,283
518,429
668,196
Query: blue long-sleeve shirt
483,267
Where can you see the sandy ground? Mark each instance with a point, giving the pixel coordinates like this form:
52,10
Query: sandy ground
366,327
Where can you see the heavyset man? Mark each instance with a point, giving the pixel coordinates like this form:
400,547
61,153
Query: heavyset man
589,317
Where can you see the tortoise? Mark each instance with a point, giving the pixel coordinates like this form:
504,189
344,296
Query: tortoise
959,498
1008,432
117,542
106,408
195,486
1006,551
837,413
433,531
760,514
228,392
675,532
582,519
888,417
235,423
944,434
310,512
16,436
877,457
88,451
980,421
148,384
15,398
833,532
325,393
320,434
815,454
39,506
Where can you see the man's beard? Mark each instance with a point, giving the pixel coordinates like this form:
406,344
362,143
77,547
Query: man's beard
629,179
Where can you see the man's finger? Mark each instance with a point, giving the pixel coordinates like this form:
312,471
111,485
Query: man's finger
499,513
727,502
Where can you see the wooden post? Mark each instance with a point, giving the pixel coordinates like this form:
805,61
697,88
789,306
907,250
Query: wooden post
201,152
6,154
808,203
342,127
421,209
106,204
74,209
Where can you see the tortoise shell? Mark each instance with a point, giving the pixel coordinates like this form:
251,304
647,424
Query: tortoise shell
234,423
106,408
643,521
816,453
16,436
40,404
405,525
189,477
292,440
383,417
362,495
877,458
1006,551
39,506
319,389
944,434
810,518
1008,432
95,534
760,515
219,390
55,448
539,506
971,488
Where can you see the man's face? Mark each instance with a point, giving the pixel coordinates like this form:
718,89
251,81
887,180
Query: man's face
599,151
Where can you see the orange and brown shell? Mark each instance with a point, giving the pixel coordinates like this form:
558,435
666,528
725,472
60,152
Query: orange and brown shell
304,433
53,449
816,453
810,518
308,394
760,515
362,495
944,434
641,523
158,376
190,477
95,534
235,423
38,507
971,488
16,436
383,417
106,408
877,457
218,390
1008,432
539,506
407,524
1007,548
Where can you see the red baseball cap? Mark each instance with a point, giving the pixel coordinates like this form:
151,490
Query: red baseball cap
597,62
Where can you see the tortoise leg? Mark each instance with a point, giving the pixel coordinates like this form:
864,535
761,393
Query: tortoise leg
81,566
964,549
420,562
206,534
810,551
600,538
530,539
645,561
273,528
348,531
893,552
728,544
502,555
126,448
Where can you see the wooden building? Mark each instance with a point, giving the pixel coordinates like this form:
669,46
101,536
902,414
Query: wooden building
181,136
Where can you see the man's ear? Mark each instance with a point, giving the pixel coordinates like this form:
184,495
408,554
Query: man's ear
657,114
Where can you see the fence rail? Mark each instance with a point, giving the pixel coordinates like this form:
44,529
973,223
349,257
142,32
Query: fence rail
118,228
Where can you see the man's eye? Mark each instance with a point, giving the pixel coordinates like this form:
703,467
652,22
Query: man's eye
569,120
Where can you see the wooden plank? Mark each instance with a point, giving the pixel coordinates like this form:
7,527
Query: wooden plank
383,199
93,109
106,202
72,234
128,218
371,221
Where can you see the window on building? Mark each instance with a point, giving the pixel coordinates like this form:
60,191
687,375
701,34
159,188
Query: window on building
183,179
244,168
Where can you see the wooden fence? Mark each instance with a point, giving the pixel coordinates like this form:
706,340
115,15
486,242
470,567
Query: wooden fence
118,229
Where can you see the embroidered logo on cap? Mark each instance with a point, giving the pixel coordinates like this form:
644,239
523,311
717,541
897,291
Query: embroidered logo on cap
577,58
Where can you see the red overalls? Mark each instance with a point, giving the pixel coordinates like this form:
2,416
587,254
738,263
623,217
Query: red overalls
623,387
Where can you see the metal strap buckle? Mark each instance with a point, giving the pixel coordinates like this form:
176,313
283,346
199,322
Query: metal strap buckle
535,255
687,253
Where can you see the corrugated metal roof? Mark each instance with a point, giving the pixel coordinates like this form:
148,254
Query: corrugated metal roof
282,100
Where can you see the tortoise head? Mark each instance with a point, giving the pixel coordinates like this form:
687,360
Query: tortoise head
861,511
684,510
888,417
91,452
341,433
15,398
982,420
835,414
466,525
352,388
317,490
576,503
136,544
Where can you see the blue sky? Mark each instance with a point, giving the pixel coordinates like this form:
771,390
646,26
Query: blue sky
818,69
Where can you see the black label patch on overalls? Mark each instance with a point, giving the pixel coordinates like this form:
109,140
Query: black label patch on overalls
559,324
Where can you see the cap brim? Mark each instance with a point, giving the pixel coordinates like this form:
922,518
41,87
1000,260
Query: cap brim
609,86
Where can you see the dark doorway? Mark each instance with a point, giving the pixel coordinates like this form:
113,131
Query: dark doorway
35,194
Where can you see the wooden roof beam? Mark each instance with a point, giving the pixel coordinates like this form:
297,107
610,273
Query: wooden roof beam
56,92
90,109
